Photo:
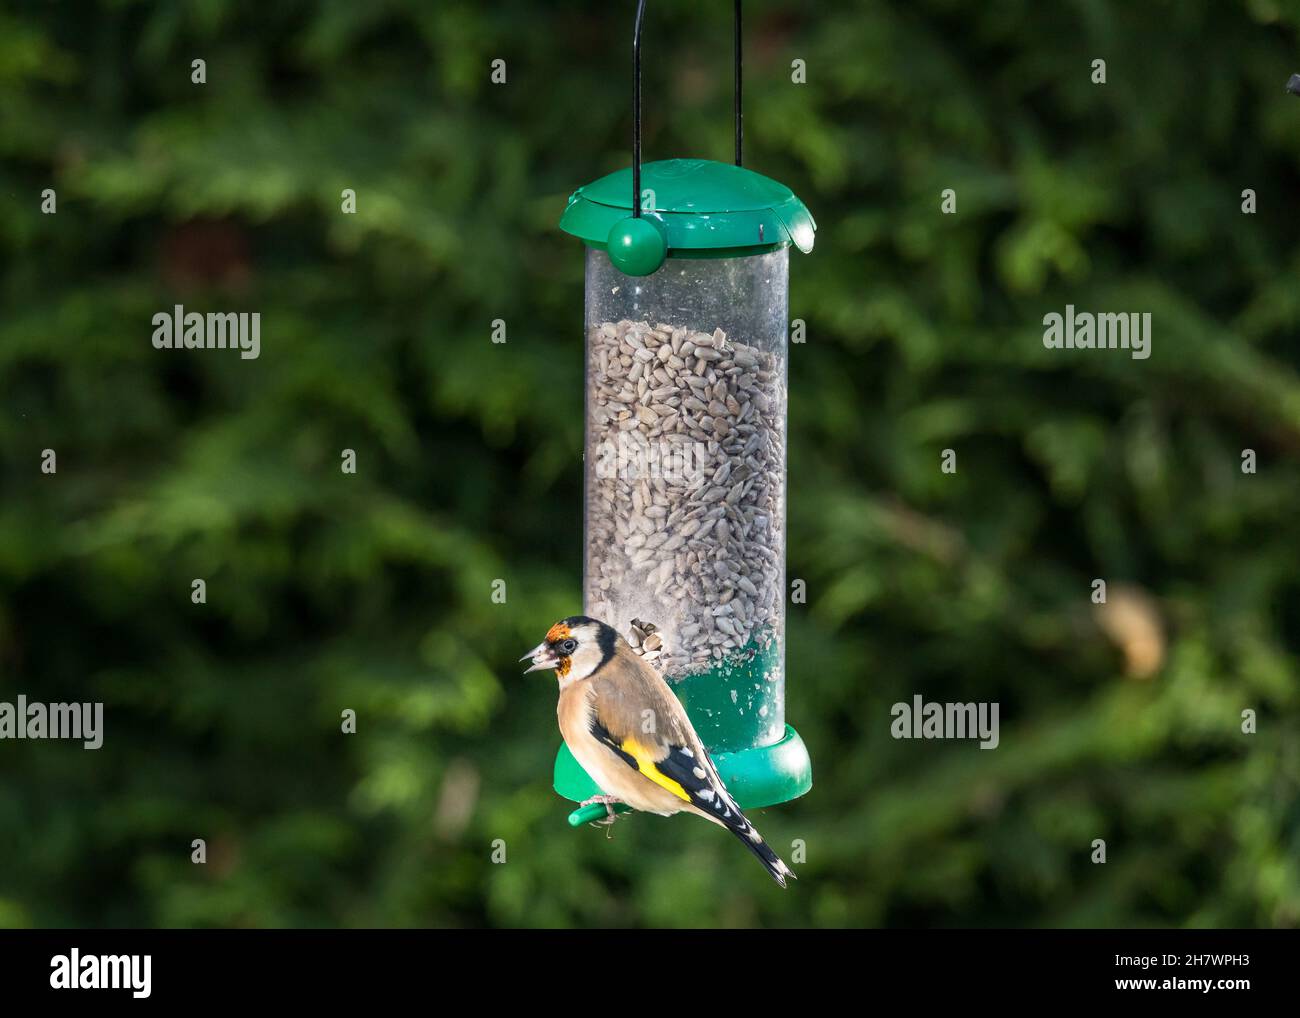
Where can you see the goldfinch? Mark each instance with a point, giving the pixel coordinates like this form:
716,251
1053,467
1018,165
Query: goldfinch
630,733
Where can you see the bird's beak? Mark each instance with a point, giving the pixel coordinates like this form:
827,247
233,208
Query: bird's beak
543,657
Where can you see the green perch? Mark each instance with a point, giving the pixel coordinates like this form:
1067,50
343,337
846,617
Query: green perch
590,814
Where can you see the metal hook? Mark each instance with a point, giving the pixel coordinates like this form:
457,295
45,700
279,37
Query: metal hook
636,101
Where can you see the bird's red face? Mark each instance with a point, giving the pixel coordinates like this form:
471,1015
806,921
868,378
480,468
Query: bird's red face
555,652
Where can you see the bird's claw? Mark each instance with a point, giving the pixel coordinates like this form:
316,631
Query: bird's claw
609,802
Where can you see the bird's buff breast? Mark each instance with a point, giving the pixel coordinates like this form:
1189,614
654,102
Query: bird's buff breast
607,769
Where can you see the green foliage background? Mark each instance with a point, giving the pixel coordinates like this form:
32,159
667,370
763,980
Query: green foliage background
371,592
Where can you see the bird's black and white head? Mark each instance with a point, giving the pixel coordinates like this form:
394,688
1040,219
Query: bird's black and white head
574,647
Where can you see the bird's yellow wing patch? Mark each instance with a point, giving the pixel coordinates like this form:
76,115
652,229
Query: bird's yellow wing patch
684,771
646,765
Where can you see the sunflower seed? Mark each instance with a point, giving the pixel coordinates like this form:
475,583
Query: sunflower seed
698,550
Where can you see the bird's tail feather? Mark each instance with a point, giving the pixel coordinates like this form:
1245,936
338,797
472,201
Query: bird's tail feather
753,841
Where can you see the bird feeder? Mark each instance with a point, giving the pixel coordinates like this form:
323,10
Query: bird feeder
685,454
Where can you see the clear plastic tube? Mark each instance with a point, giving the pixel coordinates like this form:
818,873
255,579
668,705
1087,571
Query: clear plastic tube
685,470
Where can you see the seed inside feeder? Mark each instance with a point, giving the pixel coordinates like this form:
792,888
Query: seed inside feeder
685,505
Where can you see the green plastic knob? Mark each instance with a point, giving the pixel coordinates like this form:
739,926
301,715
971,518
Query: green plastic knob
636,247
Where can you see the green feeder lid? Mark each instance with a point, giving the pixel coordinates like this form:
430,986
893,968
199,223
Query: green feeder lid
700,207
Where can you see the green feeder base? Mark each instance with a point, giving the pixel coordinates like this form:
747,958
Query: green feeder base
757,776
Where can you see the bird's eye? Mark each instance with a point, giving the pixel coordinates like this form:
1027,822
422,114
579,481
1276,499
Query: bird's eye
568,646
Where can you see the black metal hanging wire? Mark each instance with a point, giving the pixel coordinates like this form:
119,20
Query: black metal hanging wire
636,101
740,117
